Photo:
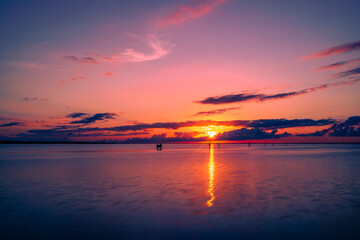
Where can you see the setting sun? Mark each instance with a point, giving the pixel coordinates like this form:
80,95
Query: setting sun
211,133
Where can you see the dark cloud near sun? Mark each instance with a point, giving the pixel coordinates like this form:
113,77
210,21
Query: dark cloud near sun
250,134
247,97
179,137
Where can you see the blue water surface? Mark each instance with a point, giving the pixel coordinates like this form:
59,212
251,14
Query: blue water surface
185,191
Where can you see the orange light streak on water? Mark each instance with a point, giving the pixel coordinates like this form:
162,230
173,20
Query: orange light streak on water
210,191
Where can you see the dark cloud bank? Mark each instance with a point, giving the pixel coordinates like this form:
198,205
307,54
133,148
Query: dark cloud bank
246,129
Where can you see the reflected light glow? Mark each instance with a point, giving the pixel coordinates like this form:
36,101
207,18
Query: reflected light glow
210,191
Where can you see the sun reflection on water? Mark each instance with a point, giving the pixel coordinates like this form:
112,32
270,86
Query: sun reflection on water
210,191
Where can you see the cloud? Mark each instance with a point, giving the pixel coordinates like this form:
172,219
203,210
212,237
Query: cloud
262,123
288,123
102,134
252,133
338,65
266,124
246,129
34,99
349,73
10,124
95,117
193,10
347,128
82,60
347,47
26,65
61,83
246,97
76,115
179,137
238,134
78,76
215,111
108,74
159,49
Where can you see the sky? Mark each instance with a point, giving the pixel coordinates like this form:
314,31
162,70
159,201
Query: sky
180,70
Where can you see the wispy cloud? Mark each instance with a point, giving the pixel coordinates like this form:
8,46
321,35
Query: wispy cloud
34,99
61,83
338,65
108,74
158,47
349,73
10,124
78,76
82,60
26,65
193,10
347,47
246,97
215,111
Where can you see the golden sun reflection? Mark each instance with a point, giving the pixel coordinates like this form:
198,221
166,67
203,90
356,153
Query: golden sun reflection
210,191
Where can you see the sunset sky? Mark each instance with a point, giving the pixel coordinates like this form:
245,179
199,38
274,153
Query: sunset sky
180,70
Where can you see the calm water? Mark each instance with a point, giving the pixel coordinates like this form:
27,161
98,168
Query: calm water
185,191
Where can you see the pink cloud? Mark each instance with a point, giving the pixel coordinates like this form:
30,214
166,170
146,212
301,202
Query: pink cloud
61,83
190,11
78,76
34,99
108,74
347,47
159,49
26,65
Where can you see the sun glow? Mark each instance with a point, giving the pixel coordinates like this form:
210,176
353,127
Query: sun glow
211,131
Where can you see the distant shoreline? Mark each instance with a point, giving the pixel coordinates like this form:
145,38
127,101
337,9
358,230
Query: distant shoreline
200,142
